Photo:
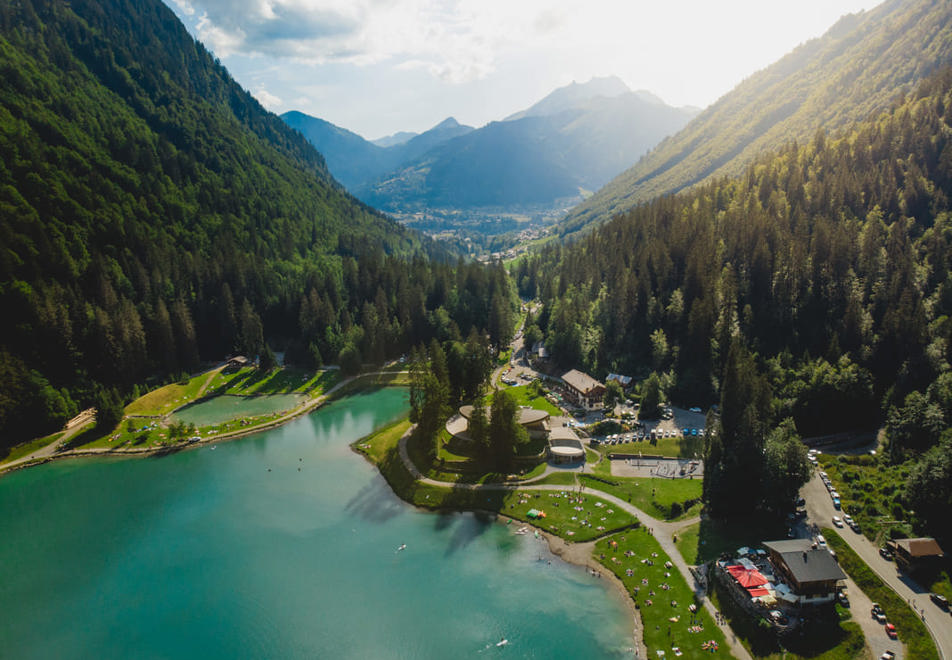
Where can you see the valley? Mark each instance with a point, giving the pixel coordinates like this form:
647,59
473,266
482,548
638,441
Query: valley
702,355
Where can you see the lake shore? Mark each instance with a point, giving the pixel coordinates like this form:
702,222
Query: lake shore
581,554
226,436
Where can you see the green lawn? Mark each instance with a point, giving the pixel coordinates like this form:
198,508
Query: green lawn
165,399
912,632
560,507
522,397
560,479
653,496
286,380
707,539
660,632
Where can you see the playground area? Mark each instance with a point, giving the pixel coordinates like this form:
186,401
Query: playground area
654,466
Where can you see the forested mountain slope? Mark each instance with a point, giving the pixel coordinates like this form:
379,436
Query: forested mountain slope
855,69
816,285
153,215
839,248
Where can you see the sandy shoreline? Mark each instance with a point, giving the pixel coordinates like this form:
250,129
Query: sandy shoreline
581,554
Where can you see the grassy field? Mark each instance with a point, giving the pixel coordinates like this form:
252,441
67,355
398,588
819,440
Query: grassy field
653,496
709,538
673,447
165,399
566,515
657,605
836,638
912,632
523,397
286,380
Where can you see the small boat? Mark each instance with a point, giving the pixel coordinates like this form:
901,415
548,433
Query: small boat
502,642
402,547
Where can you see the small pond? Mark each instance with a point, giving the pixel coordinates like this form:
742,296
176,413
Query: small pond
227,407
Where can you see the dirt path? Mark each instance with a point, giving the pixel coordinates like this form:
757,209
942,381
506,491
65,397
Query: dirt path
48,450
661,530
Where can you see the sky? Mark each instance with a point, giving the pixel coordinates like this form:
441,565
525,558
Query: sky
376,67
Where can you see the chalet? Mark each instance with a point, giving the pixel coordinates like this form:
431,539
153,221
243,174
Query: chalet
583,390
237,362
915,554
812,573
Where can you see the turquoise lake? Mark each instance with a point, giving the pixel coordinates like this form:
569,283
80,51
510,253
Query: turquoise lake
278,545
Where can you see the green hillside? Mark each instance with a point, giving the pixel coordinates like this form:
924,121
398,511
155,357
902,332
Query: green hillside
820,280
858,67
154,216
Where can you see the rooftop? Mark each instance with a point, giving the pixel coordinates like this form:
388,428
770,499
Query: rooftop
921,547
580,381
805,563
526,415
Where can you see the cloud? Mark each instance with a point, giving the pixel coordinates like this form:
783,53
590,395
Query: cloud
267,99
453,40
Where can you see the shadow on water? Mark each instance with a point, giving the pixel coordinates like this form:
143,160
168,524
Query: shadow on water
375,502
468,528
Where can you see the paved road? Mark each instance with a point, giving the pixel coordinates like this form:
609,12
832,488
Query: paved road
820,511
661,530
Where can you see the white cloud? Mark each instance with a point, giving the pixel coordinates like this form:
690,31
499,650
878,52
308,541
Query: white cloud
185,7
267,99
454,40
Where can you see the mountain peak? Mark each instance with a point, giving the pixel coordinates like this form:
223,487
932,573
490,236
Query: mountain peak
449,122
574,95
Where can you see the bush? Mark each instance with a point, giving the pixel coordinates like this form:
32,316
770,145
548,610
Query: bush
676,509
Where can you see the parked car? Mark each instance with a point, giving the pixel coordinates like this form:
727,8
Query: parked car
891,631
880,618
887,655
848,519
837,522
940,600
843,598
820,541
885,553
836,503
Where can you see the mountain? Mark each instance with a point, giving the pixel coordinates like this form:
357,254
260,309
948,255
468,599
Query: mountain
825,268
858,67
393,140
154,217
575,139
573,95
355,161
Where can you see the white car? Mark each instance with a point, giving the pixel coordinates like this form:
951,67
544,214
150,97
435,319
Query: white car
820,541
837,522
848,519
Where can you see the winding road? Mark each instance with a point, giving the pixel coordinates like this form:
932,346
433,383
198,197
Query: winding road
820,511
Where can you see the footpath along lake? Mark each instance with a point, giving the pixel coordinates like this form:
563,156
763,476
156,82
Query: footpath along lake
282,545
